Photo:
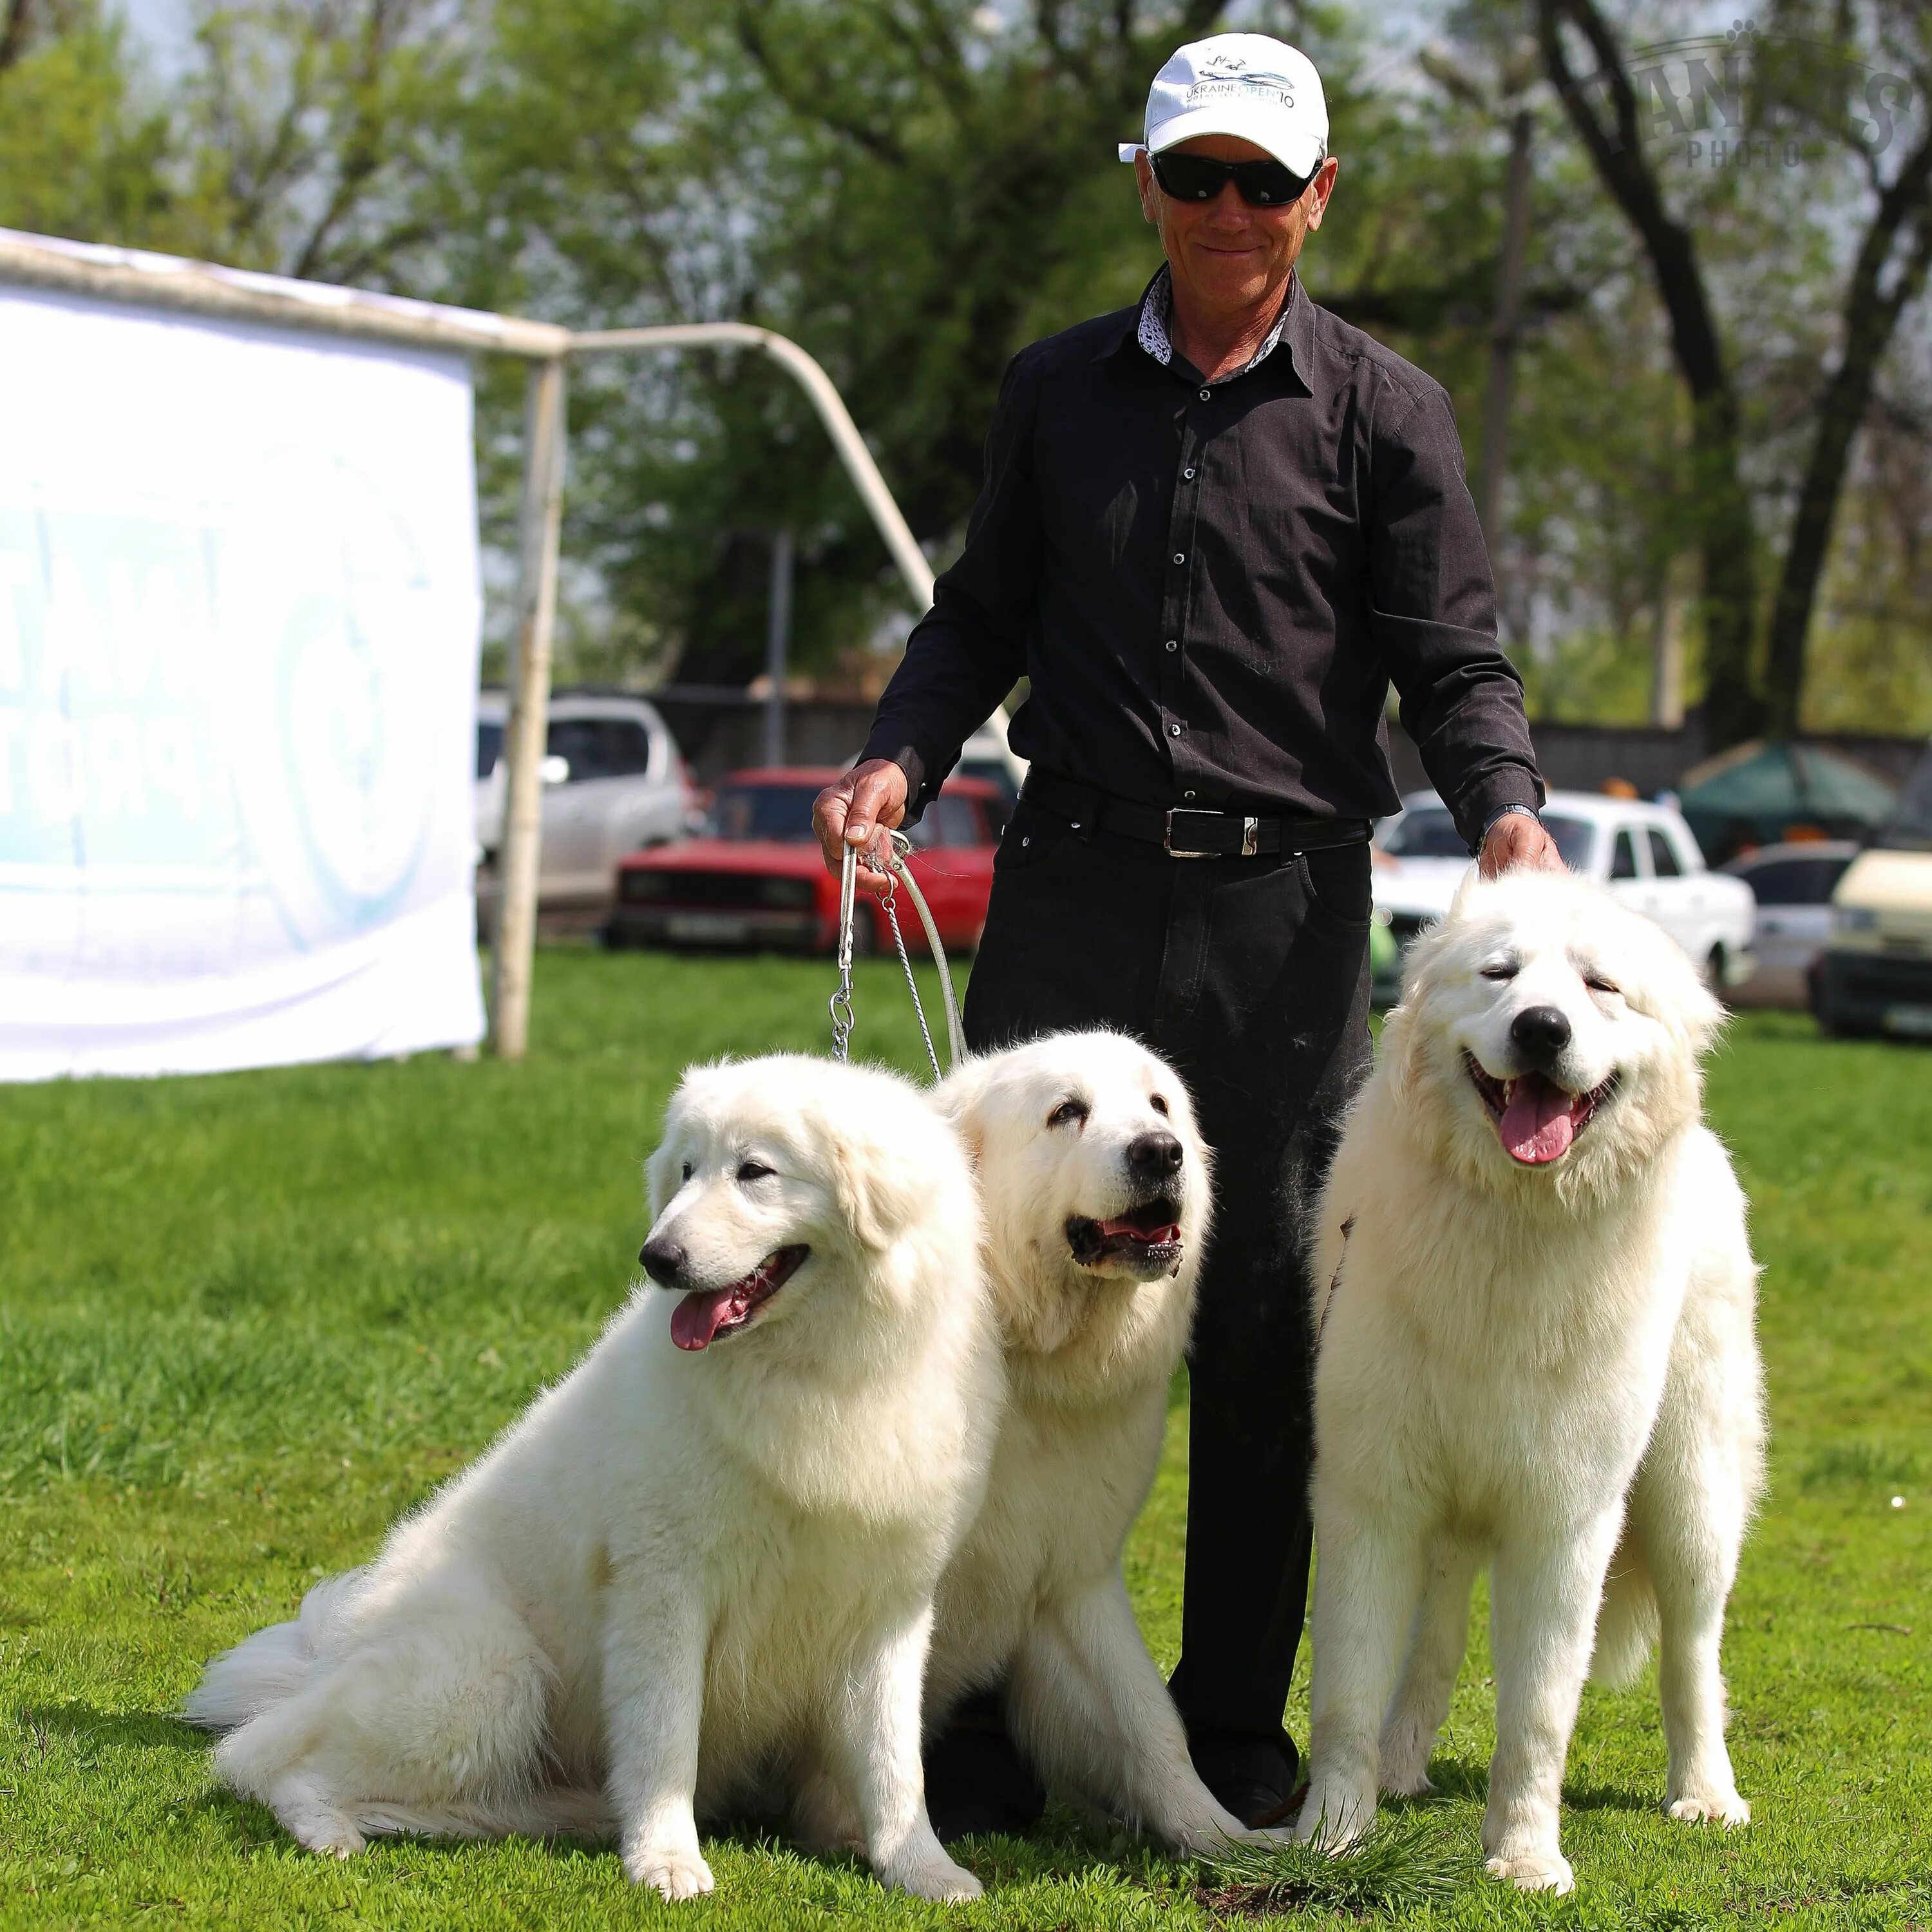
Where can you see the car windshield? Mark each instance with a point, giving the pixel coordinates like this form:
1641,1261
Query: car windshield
780,811
1909,828
1428,832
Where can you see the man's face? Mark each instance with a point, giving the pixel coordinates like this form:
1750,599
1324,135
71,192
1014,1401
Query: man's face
1223,253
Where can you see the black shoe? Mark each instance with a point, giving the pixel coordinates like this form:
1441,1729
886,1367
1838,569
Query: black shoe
1254,1777
977,1782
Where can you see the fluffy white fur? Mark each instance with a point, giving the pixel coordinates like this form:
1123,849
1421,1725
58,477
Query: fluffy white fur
1550,1368
681,1567
1092,1340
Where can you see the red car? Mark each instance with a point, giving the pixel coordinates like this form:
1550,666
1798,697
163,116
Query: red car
756,877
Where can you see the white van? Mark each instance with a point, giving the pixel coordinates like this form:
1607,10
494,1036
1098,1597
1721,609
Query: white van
1875,975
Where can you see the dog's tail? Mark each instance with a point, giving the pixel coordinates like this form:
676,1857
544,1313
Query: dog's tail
267,1668
1626,1624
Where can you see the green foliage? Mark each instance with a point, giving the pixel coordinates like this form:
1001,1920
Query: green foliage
246,1321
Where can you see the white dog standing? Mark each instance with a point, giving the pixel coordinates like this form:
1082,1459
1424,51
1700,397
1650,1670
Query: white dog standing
1094,1185
1538,1350
712,1547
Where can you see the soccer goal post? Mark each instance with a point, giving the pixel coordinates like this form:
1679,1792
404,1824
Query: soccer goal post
141,281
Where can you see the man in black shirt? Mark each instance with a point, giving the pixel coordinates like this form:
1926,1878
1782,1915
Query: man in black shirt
1213,529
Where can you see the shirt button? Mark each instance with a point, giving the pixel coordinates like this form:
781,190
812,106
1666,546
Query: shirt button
1173,644
1174,731
1187,794
1207,395
1181,556
1188,475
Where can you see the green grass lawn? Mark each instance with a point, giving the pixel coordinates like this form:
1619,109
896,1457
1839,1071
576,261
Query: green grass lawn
244,1321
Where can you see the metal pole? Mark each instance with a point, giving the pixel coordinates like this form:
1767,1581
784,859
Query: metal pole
1503,332
778,643
539,524
825,399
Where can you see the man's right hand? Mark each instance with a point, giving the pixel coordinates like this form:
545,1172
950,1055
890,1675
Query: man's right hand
852,811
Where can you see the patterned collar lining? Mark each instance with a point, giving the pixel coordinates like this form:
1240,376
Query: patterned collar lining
1157,305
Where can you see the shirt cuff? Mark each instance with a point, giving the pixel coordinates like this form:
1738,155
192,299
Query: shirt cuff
910,762
1507,787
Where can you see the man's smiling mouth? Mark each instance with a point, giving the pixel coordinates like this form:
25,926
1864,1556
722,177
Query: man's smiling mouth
704,1314
1536,1119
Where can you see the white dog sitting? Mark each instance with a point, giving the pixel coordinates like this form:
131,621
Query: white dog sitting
1094,1185
713,1547
1537,1301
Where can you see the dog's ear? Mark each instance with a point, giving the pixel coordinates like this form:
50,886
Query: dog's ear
658,1169
877,1187
960,1100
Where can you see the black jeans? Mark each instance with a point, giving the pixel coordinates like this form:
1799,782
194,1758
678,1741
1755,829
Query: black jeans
1251,976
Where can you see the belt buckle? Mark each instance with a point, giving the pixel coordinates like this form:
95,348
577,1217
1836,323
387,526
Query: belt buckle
1175,851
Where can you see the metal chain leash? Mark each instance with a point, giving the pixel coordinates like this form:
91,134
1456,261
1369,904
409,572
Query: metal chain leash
840,1005
890,901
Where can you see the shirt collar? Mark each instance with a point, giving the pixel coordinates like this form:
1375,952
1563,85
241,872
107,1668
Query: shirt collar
1148,326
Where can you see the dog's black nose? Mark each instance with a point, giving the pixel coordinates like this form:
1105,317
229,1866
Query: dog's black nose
664,1261
1541,1034
1154,1156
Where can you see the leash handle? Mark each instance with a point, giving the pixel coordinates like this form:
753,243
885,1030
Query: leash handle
896,872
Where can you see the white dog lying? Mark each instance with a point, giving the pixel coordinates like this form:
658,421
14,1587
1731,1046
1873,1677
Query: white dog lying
1094,1185
1538,1302
712,1547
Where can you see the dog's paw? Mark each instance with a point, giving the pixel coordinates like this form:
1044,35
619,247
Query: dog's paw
1406,1779
671,1874
1724,1807
938,1879
1335,1819
1534,1871
1405,1760
324,1830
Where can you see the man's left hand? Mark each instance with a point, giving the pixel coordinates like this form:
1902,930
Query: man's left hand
1517,839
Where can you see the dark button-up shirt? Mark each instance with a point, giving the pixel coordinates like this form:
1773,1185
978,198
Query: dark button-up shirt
1210,586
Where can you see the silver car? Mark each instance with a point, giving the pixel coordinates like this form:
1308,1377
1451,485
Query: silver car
1793,885
613,780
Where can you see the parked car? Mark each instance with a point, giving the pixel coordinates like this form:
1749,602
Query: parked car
613,780
1792,884
755,877
1875,974
1644,853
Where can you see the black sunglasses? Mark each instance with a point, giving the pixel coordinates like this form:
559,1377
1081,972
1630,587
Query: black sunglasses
1197,178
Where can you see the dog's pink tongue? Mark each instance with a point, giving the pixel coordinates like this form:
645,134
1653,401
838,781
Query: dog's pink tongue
696,1319
1536,1126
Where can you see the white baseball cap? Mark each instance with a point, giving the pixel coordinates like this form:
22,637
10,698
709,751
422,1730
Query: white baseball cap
1251,85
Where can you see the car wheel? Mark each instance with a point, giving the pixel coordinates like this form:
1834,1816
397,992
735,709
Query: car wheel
1712,972
865,931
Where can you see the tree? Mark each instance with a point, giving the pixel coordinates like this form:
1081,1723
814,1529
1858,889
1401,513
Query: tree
1889,272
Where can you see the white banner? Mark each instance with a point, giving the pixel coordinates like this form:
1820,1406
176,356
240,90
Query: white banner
240,611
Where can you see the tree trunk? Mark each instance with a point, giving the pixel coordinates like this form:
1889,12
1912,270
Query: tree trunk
1727,535
1871,317
1505,332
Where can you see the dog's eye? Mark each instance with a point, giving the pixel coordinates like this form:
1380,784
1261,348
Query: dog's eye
753,1170
1159,1103
1069,1113
689,1170
1598,983
1506,969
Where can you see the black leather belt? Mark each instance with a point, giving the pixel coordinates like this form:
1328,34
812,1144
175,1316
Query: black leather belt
1185,833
